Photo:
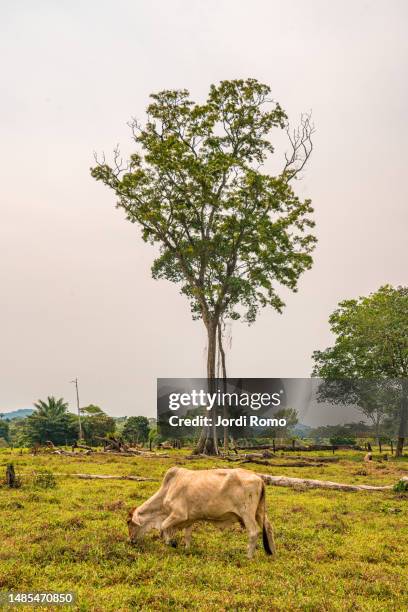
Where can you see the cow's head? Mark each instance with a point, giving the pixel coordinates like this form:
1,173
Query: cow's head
134,525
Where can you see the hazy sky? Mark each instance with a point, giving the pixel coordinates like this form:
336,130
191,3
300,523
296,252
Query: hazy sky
76,294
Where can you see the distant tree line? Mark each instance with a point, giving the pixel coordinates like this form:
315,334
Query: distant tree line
52,422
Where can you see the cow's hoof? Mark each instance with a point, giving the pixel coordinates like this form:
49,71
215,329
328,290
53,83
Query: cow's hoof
173,543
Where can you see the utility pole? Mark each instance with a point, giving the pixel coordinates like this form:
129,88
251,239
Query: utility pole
79,410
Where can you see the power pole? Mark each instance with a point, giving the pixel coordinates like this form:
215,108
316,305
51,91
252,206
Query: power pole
79,410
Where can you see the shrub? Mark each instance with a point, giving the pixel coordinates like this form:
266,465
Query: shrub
401,486
342,441
44,479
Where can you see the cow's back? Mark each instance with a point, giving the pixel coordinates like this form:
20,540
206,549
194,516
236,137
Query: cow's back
211,494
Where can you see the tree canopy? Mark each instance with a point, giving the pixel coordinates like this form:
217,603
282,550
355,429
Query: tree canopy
136,429
371,337
227,231
96,423
52,422
368,363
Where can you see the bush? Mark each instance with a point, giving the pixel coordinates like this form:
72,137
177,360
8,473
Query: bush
44,479
342,441
401,486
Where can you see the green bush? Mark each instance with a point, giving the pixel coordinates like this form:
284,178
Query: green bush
401,486
44,479
342,441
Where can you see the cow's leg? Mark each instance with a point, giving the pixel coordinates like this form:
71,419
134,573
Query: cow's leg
253,533
187,536
168,529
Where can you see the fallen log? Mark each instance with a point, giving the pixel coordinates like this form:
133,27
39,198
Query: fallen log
274,464
83,446
145,455
112,443
108,477
306,483
60,451
125,453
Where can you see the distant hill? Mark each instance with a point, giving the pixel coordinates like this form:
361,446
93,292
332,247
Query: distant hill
17,414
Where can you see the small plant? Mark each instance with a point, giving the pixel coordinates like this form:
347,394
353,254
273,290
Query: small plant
401,486
44,479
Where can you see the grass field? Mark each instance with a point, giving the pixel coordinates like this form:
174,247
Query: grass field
335,550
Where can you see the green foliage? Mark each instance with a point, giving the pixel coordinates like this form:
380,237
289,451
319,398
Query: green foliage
51,421
17,432
228,231
154,437
368,364
342,440
44,479
92,410
371,338
4,430
136,429
95,423
340,434
401,486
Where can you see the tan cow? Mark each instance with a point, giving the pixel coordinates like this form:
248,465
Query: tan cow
219,496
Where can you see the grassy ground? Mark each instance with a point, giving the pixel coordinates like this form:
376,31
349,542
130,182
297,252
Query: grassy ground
336,551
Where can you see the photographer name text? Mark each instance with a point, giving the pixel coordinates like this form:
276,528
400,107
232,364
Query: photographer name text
241,421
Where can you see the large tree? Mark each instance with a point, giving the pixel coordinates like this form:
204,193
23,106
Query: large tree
199,186
95,424
371,343
136,429
52,422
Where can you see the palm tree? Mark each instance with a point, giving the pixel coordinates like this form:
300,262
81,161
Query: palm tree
51,422
52,407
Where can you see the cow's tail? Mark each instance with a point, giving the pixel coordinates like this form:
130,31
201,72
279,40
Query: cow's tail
264,523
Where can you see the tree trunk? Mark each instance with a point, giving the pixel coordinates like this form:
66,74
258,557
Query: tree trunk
207,442
11,479
377,432
399,451
224,380
403,420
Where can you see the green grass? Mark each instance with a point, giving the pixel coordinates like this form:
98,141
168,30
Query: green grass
335,550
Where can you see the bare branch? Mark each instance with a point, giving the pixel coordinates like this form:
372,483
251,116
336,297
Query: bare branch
118,165
301,146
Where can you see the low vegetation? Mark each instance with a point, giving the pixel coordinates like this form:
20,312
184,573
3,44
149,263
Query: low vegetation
336,550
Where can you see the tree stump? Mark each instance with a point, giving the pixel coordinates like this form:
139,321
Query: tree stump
11,478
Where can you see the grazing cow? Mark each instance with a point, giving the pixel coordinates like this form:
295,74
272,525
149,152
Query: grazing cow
221,496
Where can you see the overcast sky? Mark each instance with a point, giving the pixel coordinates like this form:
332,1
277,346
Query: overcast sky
76,294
